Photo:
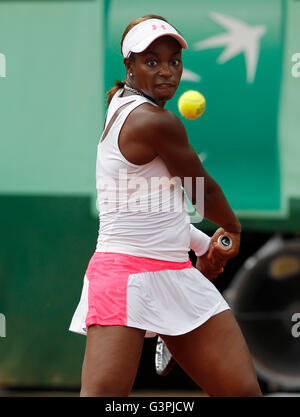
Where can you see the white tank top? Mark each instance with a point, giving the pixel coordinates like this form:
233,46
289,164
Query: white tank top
142,210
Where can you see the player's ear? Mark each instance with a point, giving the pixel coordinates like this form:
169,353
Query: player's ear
128,64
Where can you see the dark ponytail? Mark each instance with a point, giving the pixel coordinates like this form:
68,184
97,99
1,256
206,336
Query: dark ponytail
113,90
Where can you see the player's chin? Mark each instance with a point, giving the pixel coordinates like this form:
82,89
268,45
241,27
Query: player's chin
165,93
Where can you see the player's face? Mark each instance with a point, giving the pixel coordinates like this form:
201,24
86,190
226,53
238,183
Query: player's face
157,71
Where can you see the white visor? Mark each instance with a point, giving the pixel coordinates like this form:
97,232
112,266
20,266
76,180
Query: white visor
141,35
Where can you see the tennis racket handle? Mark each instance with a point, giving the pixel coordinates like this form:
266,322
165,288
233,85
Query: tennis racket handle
225,242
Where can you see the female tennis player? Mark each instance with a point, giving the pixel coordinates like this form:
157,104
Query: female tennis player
140,280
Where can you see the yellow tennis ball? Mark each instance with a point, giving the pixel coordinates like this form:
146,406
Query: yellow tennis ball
191,104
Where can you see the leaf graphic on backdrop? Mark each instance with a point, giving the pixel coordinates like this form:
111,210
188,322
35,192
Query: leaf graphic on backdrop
240,38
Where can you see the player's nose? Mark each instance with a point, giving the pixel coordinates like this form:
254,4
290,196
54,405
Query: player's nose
165,70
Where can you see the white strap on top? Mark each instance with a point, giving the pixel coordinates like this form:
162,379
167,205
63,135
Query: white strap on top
118,106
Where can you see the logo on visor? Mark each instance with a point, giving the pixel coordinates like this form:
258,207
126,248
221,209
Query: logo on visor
154,27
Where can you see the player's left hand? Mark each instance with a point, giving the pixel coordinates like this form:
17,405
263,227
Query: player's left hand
207,266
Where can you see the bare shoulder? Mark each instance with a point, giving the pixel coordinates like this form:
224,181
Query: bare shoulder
155,123
164,133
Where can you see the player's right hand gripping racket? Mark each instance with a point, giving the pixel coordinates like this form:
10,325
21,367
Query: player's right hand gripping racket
164,362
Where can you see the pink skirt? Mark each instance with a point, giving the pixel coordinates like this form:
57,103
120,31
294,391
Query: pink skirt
161,297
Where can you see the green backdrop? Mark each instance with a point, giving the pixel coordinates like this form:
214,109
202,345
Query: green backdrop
238,131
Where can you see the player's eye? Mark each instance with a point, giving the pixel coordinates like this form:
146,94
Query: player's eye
175,62
152,62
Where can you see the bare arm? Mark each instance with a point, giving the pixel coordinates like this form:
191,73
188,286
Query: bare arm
165,133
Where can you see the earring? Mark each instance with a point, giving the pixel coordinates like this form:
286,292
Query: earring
130,74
